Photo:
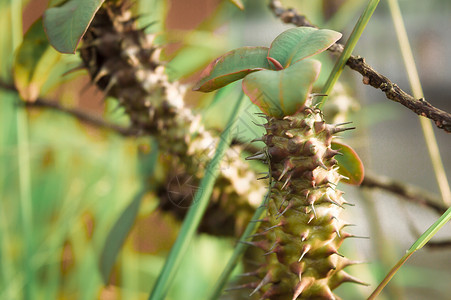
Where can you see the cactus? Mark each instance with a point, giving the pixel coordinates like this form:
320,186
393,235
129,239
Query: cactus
303,230
124,62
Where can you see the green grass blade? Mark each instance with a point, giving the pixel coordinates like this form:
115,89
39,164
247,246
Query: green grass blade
239,250
417,92
422,240
195,212
347,51
124,224
25,199
24,166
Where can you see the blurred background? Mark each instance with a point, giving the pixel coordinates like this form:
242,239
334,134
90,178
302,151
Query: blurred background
65,184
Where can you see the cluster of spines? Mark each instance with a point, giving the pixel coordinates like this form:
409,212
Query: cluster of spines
302,231
124,62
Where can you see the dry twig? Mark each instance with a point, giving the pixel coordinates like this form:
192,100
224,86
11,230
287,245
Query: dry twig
79,114
407,192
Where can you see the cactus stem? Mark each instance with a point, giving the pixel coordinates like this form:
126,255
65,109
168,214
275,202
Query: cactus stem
327,199
344,177
345,277
313,209
322,165
255,235
338,130
254,244
286,183
271,228
356,236
285,170
260,125
304,251
341,124
278,215
258,156
337,231
264,281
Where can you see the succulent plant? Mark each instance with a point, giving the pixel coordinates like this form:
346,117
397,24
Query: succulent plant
302,230
124,62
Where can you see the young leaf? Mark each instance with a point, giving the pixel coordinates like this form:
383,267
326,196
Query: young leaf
284,92
65,25
232,66
299,43
33,62
350,164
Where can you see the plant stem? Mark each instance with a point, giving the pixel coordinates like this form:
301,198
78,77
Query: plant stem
251,228
422,240
195,212
417,92
347,51
24,166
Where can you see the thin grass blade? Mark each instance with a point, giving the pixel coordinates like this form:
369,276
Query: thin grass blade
195,212
347,51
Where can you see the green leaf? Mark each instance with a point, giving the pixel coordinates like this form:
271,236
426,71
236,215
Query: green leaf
33,63
232,66
299,43
65,25
284,92
350,164
116,237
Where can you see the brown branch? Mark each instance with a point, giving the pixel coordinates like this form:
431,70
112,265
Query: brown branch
421,107
407,192
80,115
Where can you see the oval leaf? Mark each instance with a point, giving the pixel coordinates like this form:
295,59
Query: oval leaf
33,62
282,93
299,43
350,164
232,66
65,25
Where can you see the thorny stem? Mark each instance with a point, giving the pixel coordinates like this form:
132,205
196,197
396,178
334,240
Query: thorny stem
371,77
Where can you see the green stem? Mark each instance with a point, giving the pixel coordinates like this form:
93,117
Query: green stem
422,240
389,276
195,212
417,92
239,250
347,51
24,166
